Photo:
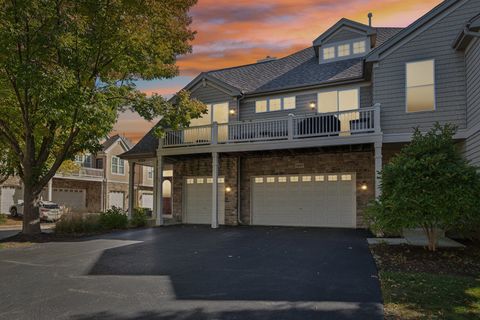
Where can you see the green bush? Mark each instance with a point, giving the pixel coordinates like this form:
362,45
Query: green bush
114,218
3,218
78,223
139,218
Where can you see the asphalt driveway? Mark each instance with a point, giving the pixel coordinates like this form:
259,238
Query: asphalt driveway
193,272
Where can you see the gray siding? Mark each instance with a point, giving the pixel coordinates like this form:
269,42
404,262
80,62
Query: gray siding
473,83
472,149
343,35
433,43
209,94
247,108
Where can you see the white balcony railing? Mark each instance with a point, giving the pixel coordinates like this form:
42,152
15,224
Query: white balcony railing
342,123
82,172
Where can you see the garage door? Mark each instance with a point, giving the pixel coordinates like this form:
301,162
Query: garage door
8,197
116,199
147,200
198,200
74,199
319,200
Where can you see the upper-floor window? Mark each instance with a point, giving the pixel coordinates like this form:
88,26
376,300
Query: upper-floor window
338,100
420,86
118,165
84,160
275,104
359,47
344,50
328,53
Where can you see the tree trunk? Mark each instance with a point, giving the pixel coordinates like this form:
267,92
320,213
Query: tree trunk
31,214
431,233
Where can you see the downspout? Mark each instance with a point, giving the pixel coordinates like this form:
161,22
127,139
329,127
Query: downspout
239,171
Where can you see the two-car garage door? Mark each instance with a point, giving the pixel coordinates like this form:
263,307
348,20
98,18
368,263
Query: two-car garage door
316,200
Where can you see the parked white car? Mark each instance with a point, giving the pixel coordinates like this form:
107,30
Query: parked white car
49,211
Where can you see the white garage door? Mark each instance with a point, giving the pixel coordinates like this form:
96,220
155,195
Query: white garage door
74,199
198,200
317,200
8,197
147,200
116,199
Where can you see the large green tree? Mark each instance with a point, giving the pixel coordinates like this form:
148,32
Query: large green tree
429,184
68,67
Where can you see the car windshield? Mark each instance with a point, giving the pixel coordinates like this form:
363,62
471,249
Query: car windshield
50,206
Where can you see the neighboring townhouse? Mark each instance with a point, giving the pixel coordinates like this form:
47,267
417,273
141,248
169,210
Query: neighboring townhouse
99,182
297,141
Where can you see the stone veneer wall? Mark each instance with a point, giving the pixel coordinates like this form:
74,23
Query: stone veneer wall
202,166
332,160
359,159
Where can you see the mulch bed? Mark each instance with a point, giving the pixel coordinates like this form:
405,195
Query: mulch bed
451,261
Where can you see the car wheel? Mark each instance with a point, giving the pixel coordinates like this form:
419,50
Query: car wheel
13,212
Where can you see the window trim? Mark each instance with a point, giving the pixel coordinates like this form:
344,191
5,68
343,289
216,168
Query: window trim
118,166
282,104
434,86
338,98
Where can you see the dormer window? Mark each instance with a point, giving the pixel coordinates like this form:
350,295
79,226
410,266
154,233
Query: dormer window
359,47
328,53
344,50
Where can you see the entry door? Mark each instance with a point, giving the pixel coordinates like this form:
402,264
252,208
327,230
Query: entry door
314,200
198,200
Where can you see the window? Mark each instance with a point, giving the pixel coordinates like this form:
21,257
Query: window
346,177
270,179
190,181
344,50
289,103
319,178
275,104
359,47
258,180
332,178
306,178
99,163
339,100
150,173
209,180
118,165
328,53
420,86
293,179
218,112
84,160
282,179
200,180
261,106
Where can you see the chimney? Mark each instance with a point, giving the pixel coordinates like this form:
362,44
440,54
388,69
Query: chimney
266,59
370,15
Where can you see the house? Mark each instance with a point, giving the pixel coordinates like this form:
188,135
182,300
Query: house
97,182
297,141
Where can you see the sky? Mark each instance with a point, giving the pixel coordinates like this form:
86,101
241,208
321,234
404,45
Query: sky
232,33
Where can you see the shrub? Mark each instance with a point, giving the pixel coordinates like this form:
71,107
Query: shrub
139,218
429,185
3,218
114,218
78,223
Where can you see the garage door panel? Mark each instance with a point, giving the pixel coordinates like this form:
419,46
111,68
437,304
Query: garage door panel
73,199
116,199
305,200
198,200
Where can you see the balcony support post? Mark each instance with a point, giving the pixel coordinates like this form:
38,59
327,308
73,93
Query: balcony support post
214,190
214,132
131,187
376,118
378,168
290,126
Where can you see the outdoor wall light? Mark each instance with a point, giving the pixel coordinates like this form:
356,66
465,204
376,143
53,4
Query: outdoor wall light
228,189
312,105
364,186
232,111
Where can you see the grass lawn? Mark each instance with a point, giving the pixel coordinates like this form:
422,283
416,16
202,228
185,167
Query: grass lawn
418,284
430,296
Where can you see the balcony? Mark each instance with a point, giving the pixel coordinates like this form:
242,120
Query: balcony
343,125
82,173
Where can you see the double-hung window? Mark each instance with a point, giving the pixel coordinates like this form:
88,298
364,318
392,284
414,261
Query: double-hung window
118,166
420,86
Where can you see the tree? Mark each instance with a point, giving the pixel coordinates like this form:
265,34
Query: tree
67,67
430,185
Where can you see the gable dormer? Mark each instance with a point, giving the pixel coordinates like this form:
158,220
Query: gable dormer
345,40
